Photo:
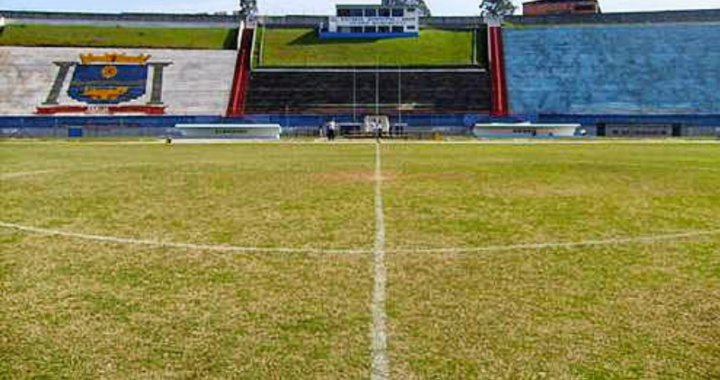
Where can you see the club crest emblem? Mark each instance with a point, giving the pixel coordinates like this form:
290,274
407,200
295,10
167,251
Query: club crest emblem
108,83
109,79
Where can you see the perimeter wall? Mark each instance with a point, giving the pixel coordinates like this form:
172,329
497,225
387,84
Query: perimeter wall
658,68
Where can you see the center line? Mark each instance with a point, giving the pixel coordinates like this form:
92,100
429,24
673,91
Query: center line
380,363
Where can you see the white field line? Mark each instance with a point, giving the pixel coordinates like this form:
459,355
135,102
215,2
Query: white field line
498,248
15,175
380,362
568,245
24,174
155,243
630,164
8,176
183,246
382,270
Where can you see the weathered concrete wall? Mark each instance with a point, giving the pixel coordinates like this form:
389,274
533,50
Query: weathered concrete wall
150,20
292,21
554,8
124,24
426,22
195,83
691,16
452,22
614,69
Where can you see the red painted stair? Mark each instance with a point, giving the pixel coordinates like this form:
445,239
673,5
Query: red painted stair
500,104
242,75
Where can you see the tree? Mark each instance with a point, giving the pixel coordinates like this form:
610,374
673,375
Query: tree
497,8
248,9
419,4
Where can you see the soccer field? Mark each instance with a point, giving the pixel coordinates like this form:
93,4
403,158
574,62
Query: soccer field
357,261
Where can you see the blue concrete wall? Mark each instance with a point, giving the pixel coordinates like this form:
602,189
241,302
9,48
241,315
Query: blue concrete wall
125,126
658,69
159,126
456,120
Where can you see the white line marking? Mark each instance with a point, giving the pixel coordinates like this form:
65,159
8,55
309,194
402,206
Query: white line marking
499,248
380,234
184,246
24,174
627,164
154,243
380,362
567,245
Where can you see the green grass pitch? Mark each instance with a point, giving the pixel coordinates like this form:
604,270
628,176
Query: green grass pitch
288,47
118,37
481,282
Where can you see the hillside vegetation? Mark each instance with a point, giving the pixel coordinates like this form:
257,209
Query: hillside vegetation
294,47
118,37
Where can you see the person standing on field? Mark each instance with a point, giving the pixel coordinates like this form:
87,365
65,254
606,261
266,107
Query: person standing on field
332,128
376,130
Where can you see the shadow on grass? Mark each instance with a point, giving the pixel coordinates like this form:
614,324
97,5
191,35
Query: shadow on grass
231,39
312,38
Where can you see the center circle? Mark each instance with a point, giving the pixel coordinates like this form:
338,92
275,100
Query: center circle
99,201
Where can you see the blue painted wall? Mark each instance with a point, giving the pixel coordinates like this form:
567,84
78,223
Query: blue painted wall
456,120
119,126
661,69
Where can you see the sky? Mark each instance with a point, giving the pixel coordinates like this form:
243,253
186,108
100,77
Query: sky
281,7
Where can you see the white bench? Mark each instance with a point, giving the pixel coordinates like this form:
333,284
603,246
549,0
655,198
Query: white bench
231,131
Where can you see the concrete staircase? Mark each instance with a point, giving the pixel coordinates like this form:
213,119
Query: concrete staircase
324,91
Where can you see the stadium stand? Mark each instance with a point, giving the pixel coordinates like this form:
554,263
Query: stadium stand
599,69
323,91
194,82
609,72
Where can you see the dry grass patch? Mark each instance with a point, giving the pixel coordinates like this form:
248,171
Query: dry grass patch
344,177
447,196
615,312
635,312
88,311
265,196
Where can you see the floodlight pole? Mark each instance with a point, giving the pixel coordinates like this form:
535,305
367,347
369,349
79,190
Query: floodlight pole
248,10
354,94
377,89
399,94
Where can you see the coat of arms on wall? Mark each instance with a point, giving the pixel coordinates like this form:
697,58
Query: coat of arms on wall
107,84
